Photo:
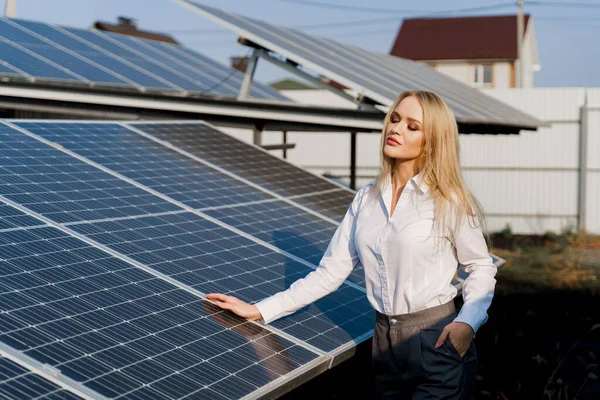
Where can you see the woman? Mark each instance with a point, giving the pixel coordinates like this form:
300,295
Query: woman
411,228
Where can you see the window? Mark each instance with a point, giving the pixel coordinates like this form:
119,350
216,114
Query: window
482,75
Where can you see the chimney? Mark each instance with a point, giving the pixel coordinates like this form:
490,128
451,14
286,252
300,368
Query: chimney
126,21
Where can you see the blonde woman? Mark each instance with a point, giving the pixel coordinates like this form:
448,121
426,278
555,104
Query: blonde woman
411,228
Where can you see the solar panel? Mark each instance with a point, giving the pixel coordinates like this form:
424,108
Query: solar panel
18,383
380,77
149,163
207,256
246,161
333,204
125,333
198,185
36,50
286,227
64,189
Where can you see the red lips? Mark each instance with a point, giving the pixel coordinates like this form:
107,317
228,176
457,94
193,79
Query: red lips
393,141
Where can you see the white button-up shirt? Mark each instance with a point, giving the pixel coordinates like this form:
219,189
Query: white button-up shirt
408,266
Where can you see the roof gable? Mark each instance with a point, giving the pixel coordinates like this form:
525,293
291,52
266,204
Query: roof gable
465,38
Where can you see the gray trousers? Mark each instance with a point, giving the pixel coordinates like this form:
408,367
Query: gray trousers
408,366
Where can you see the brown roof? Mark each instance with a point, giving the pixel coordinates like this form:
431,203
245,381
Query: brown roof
466,38
126,26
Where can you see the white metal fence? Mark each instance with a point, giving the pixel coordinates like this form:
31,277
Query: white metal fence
535,182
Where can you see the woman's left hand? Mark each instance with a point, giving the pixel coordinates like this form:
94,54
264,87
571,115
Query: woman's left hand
459,334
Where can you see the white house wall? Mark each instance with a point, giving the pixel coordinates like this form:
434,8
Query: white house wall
501,75
458,71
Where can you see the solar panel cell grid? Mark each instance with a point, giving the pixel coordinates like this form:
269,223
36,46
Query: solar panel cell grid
18,383
149,163
123,332
333,204
241,159
31,65
210,259
58,186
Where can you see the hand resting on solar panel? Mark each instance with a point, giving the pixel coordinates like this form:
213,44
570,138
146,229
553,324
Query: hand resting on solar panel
411,229
235,305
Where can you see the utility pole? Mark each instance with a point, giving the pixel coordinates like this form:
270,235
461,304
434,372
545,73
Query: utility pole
519,63
10,9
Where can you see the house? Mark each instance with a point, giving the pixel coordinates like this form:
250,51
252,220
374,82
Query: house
126,26
479,51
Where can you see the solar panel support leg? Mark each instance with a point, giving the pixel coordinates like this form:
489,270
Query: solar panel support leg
353,160
284,142
257,135
247,83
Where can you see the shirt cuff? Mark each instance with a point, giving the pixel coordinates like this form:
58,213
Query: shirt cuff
472,315
269,309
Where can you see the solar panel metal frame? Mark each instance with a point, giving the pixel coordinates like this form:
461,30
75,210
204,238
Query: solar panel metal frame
375,67
339,352
48,373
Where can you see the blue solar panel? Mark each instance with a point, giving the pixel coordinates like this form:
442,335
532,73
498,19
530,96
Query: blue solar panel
205,80
333,204
18,383
211,258
105,58
30,64
242,159
5,69
60,187
281,224
123,332
11,218
182,245
287,227
223,79
149,163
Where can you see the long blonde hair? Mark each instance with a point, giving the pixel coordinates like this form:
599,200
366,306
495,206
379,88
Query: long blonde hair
438,164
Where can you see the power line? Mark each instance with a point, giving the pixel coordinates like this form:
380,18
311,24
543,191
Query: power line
360,21
321,4
562,4
350,8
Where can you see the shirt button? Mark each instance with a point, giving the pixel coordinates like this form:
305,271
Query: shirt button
393,321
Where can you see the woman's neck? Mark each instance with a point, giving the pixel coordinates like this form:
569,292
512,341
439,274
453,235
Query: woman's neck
402,173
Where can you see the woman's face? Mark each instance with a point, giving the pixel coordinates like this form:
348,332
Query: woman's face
404,135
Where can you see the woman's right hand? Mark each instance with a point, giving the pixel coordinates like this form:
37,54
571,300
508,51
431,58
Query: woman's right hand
235,305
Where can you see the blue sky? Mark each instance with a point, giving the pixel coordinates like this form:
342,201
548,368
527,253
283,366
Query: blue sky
568,31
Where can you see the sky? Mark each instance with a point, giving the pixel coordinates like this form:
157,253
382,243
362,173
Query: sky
567,32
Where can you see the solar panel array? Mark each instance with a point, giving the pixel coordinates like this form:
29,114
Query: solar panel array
380,77
112,233
39,52
109,239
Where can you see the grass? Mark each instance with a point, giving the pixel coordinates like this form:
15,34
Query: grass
560,262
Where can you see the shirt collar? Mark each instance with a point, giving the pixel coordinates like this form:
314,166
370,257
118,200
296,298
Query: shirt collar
416,181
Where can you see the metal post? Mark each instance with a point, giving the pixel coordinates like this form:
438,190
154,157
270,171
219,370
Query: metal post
353,160
247,83
582,184
257,135
285,142
519,62
10,9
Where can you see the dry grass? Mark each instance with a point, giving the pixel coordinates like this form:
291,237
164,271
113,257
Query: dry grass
567,262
